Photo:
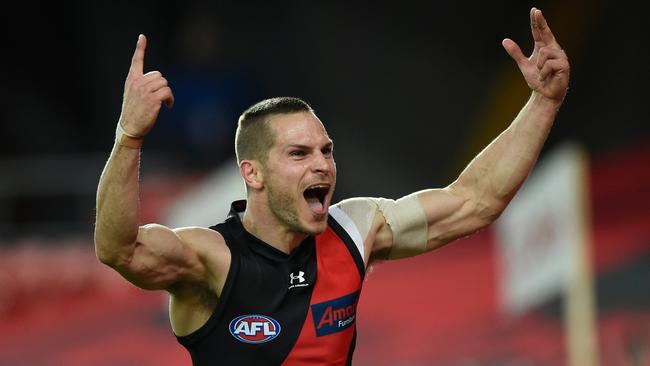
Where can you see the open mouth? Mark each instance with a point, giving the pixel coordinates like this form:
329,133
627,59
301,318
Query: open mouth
315,197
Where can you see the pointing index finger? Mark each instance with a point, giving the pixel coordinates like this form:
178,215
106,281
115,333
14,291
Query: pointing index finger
541,31
137,62
534,26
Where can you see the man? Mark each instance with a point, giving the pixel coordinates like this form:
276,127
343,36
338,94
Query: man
279,280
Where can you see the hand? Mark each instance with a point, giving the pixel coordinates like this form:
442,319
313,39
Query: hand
547,69
143,94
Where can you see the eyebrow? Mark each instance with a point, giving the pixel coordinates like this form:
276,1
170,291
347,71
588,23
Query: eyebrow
330,144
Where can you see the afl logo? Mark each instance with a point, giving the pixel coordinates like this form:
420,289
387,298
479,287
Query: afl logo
254,328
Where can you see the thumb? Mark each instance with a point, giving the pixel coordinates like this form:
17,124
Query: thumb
514,51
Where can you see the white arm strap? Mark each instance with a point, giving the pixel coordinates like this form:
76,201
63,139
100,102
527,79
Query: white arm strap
405,217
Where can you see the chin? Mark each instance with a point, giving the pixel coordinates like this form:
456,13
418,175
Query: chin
316,228
320,230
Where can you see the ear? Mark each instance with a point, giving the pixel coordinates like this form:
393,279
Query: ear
251,172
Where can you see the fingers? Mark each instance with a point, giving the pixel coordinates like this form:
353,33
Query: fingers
137,62
551,67
165,95
152,82
539,26
537,37
151,76
514,51
155,83
549,53
556,65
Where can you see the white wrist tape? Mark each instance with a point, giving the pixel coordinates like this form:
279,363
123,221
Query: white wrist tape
126,139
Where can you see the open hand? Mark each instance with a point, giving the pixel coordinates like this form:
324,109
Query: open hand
547,69
143,94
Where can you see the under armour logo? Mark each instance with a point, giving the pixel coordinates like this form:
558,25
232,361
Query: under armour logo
300,277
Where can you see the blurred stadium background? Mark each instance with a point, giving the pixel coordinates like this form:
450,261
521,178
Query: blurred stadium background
432,79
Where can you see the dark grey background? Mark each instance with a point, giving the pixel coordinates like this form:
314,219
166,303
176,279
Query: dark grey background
409,91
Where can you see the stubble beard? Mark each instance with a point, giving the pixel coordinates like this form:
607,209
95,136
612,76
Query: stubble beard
284,208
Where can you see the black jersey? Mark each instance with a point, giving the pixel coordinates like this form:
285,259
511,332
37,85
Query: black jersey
278,308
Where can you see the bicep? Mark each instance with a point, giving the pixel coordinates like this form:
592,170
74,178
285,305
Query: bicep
161,258
418,222
451,213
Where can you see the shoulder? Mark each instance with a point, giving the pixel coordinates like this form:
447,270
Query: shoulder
359,203
203,240
361,216
359,210
211,249
199,235
387,221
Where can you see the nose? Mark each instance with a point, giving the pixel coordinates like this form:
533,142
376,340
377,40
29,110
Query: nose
322,163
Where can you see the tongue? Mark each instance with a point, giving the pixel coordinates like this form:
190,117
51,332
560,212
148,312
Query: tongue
314,203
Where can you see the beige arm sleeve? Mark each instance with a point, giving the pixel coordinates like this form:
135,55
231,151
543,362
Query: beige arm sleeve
405,217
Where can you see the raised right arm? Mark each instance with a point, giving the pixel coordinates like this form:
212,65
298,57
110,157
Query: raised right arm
150,256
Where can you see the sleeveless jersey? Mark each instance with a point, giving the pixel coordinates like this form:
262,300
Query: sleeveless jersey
284,309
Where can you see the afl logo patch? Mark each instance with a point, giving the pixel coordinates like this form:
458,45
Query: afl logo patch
254,328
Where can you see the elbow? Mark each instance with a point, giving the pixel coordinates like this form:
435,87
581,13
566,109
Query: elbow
104,255
114,248
489,210
477,206
490,218
107,254
101,252
102,247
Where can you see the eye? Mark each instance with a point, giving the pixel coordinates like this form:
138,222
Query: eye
297,153
327,151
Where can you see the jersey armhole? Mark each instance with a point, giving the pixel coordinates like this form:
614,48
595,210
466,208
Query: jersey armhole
212,321
350,227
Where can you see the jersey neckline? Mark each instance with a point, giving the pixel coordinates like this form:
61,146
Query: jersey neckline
258,245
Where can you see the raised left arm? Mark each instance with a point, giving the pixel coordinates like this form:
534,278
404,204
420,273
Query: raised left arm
492,178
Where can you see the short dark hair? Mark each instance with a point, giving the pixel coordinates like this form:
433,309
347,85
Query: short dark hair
254,135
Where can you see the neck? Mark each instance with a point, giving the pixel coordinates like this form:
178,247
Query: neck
262,223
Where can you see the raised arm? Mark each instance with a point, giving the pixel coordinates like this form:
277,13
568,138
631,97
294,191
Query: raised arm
489,182
491,179
151,256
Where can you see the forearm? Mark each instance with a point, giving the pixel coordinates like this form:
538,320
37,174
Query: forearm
492,178
501,168
118,206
